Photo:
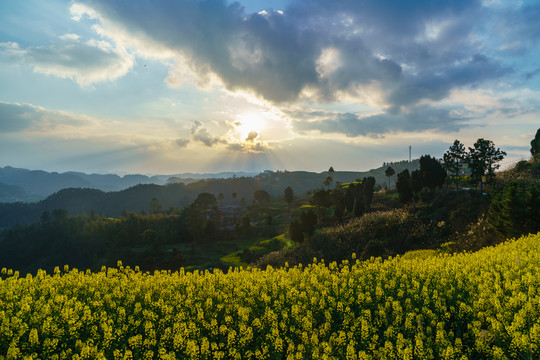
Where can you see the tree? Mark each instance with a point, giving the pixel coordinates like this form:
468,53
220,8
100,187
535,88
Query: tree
155,206
535,145
295,231
433,173
322,198
221,197
309,221
331,170
205,201
328,181
245,222
483,160
454,158
261,196
416,181
389,172
515,209
403,186
288,195
368,187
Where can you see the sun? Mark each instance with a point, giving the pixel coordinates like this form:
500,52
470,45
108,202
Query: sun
249,126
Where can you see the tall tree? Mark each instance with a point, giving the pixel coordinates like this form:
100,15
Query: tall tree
483,160
433,173
454,158
389,172
535,145
368,187
309,221
288,195
403,186
416,181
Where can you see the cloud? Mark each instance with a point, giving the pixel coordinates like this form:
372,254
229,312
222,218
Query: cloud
182,142
413,51
254,147
252,136
84,62
200,133
421,118
26,117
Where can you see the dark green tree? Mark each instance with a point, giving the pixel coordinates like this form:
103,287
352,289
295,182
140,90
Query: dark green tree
368,187
483,160
515,209
535,145
245,224
433,173
416,181
295,231
309,221
389,172
205,201
288,195
403,186
261,196
454,158
322,198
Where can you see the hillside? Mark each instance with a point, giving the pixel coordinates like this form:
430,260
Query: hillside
44,183
481,305
13,193
86,199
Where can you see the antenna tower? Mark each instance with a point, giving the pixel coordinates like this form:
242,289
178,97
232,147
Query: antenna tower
410,147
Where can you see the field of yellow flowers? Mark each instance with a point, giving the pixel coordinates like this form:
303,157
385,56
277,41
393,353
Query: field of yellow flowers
483,305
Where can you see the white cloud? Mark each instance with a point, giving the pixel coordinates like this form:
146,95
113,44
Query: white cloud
86,63
29,118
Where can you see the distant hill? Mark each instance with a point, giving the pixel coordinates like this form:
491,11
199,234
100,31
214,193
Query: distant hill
85,199
44,183
13,193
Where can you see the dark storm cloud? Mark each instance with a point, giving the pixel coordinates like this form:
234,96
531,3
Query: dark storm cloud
276,54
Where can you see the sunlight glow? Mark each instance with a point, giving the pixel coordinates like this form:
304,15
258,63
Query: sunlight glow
248,124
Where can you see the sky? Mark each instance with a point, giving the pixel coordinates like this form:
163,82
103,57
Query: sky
173,86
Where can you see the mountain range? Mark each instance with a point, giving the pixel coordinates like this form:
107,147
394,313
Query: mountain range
79,193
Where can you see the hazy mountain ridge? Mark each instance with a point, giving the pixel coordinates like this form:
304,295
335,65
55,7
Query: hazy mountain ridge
137,198
43,183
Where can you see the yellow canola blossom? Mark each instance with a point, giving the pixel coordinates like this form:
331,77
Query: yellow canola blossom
483,305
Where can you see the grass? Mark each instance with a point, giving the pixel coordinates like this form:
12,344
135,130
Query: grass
260,247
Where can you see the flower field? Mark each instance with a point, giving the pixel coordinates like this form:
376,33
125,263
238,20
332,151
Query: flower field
483,305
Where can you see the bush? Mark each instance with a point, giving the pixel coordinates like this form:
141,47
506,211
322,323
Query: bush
374,234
